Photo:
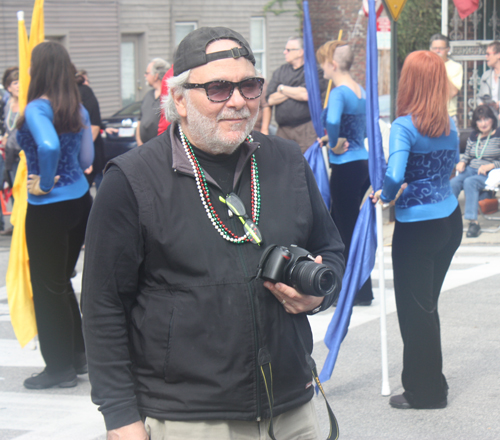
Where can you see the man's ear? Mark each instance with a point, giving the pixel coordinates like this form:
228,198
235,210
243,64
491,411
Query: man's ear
180,105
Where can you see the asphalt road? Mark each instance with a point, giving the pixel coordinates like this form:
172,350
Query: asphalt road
469,308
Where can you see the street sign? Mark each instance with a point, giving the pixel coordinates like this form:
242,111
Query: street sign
395,7
383,33
379,7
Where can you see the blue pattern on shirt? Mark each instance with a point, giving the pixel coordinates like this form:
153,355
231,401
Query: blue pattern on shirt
68,167
429,174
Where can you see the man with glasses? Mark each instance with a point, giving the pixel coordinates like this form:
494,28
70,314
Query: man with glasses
147,127
489,91
183,341
287,93
440,45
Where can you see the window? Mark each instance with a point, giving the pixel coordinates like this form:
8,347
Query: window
258,42
128,71
182,29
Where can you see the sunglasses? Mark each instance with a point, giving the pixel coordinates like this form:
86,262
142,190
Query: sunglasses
220,91
236,206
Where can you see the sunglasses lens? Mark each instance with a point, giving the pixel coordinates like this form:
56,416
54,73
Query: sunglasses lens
251,88
235,204
254,233
219,90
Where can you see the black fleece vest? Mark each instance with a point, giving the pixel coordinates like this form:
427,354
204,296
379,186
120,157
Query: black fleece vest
201,319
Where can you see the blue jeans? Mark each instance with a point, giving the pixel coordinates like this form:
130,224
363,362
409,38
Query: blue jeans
472,184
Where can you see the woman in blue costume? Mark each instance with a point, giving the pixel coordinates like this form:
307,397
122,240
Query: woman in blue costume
345,123
423,149
56,138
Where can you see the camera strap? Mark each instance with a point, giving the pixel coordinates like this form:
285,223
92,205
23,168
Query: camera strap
267,374
334,426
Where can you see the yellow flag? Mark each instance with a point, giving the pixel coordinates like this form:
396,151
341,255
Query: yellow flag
18,280
24,61
37,30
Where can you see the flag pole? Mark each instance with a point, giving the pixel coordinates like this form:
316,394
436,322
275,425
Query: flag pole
386,389
444,17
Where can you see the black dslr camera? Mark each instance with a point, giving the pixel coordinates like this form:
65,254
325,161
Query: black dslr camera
295,267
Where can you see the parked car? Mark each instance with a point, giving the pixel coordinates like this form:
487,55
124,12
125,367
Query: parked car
118,132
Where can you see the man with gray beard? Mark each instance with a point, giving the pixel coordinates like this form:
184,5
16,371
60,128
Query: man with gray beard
181,334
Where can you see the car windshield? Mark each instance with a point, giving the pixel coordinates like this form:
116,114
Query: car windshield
132,109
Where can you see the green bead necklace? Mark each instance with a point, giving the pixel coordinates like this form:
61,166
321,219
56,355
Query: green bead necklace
204,192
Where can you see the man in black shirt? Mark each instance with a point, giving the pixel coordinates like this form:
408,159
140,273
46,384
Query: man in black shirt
288,94
180,334
89,101
147,127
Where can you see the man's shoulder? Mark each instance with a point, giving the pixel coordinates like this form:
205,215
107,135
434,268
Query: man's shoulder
149,97
452,62
284,68
277,145
453,66
486,75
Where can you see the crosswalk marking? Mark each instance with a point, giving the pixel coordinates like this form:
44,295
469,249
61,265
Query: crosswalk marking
483,262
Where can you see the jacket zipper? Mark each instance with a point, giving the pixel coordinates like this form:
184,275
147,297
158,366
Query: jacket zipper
251,293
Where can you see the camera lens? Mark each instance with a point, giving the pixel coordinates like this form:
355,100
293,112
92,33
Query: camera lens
326,281
314,279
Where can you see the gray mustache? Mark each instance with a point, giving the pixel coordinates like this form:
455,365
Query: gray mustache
234,114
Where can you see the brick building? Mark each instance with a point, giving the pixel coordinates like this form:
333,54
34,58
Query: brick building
328,17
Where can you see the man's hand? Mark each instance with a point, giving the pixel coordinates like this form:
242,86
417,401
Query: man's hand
460,167
135,431
34,185
292,301
485,169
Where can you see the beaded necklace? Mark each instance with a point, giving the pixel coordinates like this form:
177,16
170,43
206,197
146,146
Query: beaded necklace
485,145
201,184
11,122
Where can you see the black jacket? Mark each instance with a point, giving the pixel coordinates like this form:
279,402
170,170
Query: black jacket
291,112
174,320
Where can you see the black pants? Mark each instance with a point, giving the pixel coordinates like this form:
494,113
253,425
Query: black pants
54,234
348,185
421,255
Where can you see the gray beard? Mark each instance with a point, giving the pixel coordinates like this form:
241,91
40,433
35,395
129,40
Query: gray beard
206,133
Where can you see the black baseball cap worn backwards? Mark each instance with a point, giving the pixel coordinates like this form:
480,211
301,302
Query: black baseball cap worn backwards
192,49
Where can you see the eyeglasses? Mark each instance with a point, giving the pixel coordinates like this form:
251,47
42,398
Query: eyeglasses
237,207
290,50
220,91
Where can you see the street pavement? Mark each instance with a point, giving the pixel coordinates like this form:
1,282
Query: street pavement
469,308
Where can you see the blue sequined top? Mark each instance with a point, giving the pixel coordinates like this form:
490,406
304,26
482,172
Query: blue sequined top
345,117
425,164
49,154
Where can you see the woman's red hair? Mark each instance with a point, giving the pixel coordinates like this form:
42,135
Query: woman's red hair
423,92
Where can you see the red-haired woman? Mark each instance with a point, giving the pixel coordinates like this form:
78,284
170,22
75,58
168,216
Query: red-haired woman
428,229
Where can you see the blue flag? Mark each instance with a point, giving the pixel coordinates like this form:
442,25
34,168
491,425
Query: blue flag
314,155
364,239
311,74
